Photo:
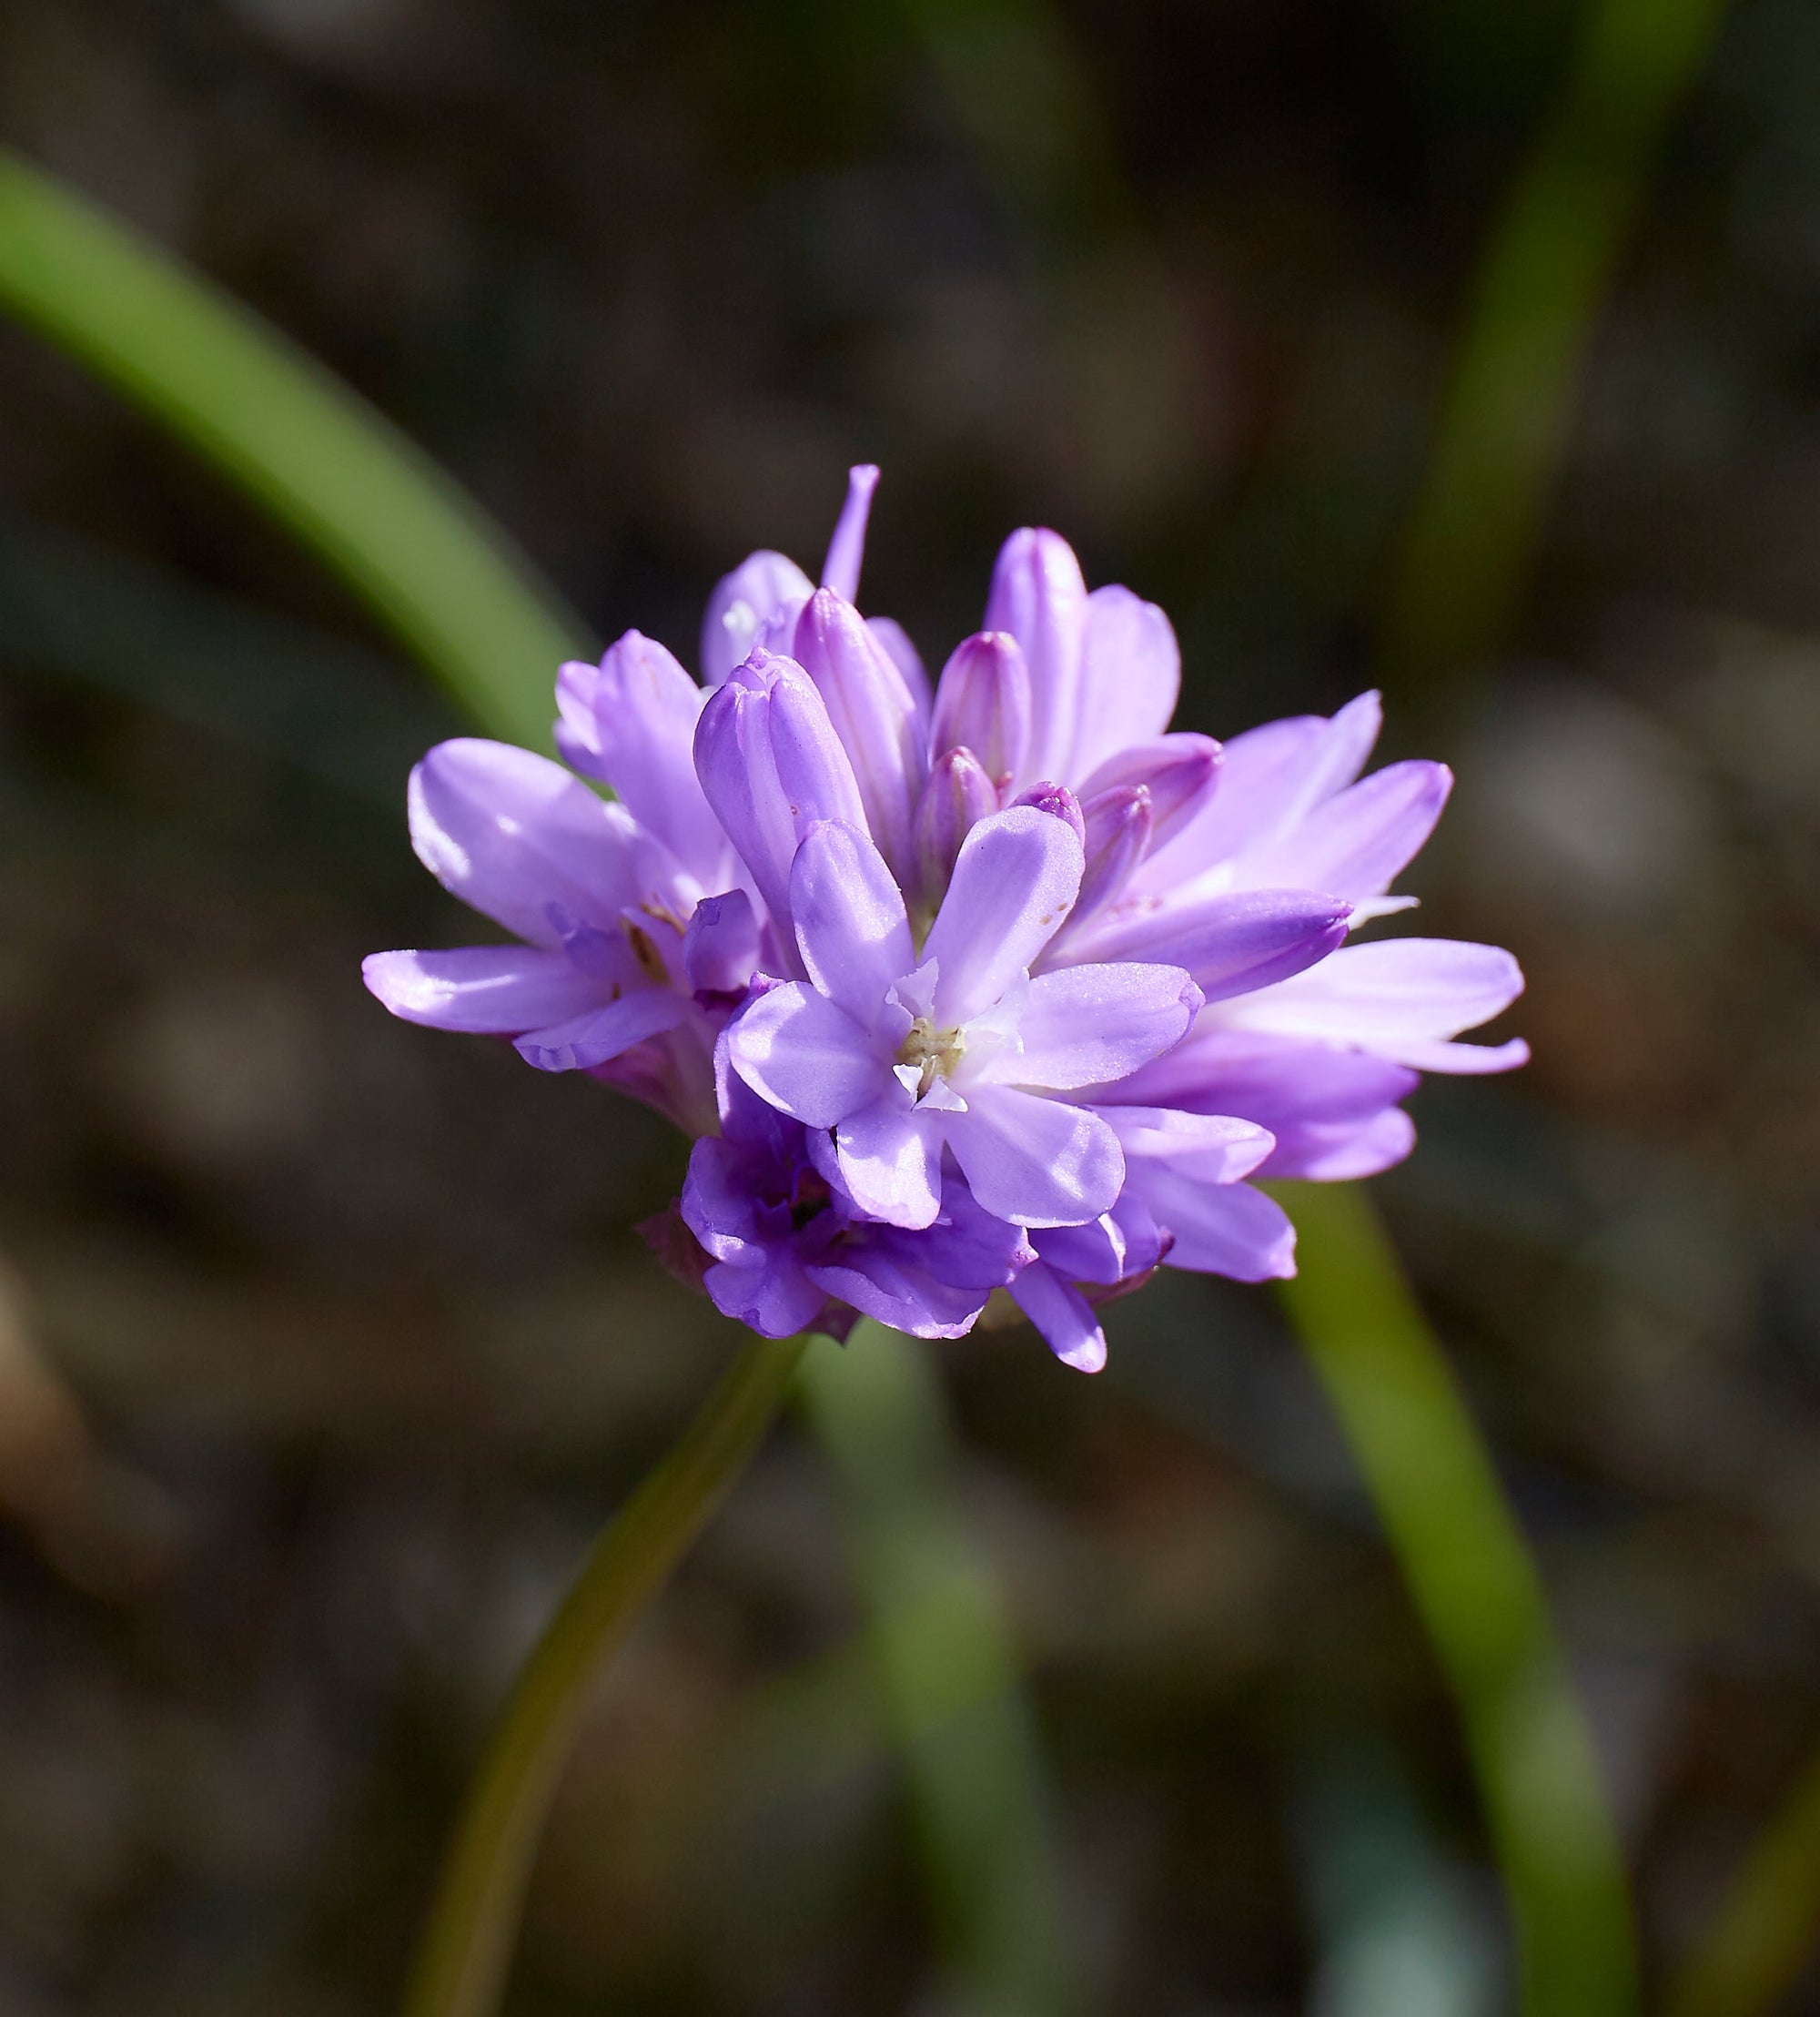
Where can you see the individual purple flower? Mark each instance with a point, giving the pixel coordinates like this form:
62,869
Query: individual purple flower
903,1055
600,906
788,1250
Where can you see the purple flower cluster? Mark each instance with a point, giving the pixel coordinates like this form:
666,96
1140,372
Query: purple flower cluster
1000,986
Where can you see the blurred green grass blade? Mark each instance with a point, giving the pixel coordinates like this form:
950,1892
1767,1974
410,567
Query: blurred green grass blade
1540,283
445,581
1748,1956
948,1672
1474,1584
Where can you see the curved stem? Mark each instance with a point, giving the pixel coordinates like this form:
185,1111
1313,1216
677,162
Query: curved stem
467,1946
1748,1955
1474,1583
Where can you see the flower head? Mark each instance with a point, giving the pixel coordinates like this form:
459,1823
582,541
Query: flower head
1006,987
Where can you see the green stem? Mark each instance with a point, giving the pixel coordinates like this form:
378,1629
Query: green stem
467,1946
1474,1583
1750,1952
949,1675
439,575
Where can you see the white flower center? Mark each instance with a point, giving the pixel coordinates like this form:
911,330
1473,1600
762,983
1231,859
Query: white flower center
931,1053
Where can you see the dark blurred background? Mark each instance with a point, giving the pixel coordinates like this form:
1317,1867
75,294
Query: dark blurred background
324,1343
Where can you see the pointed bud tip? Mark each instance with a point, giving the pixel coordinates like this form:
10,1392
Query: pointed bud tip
1058,802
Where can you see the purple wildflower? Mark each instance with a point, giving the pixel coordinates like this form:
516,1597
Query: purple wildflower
1008,987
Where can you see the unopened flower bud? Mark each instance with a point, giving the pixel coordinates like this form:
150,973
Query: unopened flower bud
747,609
958,793
1058,802
1118,825
1178,771
872,714
771,766
983,703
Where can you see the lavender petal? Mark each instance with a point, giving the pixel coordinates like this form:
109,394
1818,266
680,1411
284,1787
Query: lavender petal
890,1161
1016,874
1084,1026
763,591
1038,594
851,927
795,1048
1063,1315
1131,674
595,1038
1033,1162
518,837
491,990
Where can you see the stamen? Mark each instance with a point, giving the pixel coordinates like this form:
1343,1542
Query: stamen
931,1053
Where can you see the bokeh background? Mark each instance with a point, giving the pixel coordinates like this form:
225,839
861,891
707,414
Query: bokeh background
324,1342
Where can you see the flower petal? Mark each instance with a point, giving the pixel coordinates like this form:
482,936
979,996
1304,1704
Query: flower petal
1086,1026
983,703
486,990
1465,1059
890,1282
1131,672
1333,1112
851,925
631,721
872,716
846,549
1180,772
891,1162
520,839
895,640
794,1047
1033,1162
771,766
1357,842
761,590
1094,1253
1038,594
1272,777
1339,1152
584,1041
1230,944
1219,1147
721,945
1063,1316
1396,996
956,798
774,1294
1015,876
1225,1229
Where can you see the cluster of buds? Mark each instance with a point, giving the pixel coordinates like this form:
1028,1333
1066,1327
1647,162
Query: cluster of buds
1001,986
